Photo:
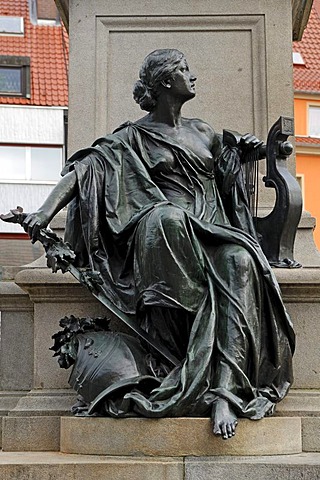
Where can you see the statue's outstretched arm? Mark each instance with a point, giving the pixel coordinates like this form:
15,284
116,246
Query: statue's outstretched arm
60,196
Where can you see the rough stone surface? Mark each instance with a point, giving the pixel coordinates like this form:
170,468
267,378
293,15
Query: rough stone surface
208,32
305,249
45,402
8,400
311,434
300,403
55,466
177,437
16,357
31,434
293,467
301,293
54,296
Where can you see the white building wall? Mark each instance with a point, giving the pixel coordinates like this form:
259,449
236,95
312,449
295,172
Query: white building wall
29,197
21,125
35,125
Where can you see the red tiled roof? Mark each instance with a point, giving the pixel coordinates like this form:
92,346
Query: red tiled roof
307,77
308,140
48,49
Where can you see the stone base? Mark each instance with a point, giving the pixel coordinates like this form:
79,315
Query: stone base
56,466
31,434
9,400
300,403
33,422
305,249
45,402
295,467
178,437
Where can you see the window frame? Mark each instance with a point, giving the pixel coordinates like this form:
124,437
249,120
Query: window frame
14,34
38,20
311,105
300,177
297,59
28,166
23,64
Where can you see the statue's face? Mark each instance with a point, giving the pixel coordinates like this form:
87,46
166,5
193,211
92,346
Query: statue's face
183,81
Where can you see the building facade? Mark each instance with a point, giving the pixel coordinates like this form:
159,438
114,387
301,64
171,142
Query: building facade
306,67
33,113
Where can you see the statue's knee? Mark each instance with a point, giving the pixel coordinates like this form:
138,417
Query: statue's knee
167,217
240,258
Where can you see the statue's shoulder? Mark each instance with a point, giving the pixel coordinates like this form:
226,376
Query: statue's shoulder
204,129
122,128
199,124
126,131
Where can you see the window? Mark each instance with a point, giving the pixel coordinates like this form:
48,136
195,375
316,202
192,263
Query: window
47,10
314,121
30,164
11,25
10,80
300,180
297,58
44,12
14,76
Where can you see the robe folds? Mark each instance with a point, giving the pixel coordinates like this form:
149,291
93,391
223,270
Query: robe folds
174,242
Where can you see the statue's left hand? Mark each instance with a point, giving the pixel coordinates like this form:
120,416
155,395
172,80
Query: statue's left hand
34,222
248,143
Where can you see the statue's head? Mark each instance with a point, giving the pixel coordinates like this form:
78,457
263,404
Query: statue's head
157,67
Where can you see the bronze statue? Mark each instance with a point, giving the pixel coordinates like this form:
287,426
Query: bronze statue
159,209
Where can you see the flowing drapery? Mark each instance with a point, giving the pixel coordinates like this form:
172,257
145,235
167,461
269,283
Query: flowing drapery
172,237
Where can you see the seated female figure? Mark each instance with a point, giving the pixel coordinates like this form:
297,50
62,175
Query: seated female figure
159,209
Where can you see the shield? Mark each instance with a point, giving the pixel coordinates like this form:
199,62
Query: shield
107,361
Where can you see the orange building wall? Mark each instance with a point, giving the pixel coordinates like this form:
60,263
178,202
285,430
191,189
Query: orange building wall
300,116
308,165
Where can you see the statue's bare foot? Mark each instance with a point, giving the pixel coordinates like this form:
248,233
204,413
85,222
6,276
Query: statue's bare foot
224,419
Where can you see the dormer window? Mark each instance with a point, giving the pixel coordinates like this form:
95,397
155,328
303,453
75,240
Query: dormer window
14,76
297,58
11,25
44,12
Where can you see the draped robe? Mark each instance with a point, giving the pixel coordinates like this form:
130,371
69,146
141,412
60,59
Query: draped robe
182,258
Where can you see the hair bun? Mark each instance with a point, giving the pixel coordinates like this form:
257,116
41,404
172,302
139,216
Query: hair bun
143,96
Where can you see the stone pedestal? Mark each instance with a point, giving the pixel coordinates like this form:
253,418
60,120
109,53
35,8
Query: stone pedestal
243,57
35,397
305,250
178,437
16,352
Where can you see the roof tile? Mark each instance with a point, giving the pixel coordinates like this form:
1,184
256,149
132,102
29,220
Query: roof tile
308,140
48,49
307,77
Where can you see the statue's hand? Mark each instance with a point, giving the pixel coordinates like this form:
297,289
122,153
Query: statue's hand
249,143
33,224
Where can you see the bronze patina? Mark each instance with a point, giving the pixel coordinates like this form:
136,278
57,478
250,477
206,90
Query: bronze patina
159,214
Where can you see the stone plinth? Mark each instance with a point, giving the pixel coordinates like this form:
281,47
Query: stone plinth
294,467
16,352
16,356
305,250
29,434
301,294
177,437
50,296
56,466
53,296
